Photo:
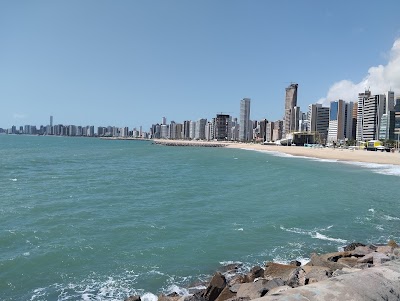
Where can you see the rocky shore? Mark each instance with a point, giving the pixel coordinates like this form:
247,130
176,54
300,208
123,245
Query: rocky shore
359,272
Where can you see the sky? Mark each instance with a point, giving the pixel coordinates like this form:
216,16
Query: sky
130,63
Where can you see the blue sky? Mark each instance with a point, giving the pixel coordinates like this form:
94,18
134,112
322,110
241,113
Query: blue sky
129,63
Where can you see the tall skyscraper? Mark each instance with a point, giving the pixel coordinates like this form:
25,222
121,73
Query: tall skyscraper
336,131
370,111
289,123
51,121
389,102
200,129
164,121
244,127
223,125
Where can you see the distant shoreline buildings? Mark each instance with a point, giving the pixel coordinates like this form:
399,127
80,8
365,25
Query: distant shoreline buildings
371,117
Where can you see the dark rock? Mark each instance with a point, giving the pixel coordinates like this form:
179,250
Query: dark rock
277,270
133,298
215,287
255,272
170,297
352,246
225,294
295,262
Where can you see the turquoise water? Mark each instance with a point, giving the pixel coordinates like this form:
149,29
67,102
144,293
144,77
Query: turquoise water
93,219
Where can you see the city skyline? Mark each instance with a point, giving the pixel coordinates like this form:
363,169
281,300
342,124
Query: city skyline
186,60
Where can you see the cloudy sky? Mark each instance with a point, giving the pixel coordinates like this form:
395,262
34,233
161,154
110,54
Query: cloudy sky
129,63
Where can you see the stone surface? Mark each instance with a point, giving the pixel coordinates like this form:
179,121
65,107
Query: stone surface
170,297
237,279
215,287
328,260
133,298
376,283
384,249
379,258
295,262
352,246
369,258
348,261
361,251
277,290
316,273
259,288
255,272
277,270
225,294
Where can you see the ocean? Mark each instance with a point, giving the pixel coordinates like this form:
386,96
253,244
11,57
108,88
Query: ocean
92,219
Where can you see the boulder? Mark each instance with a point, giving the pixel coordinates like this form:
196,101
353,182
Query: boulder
352,246
277,290
369,258
379,258
277,270
170,297
237,279
361,251
238,299
316,274
297,278
258,288
385,249
215,287
195,297
225,294
234,288
133,298
255,272
328,260
348,261
393,244
295,262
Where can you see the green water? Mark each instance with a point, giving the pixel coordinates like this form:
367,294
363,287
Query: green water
93,219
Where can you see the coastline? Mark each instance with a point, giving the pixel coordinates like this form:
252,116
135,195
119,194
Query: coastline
344,155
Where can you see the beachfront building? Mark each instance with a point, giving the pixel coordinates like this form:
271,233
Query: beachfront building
290,124
245,130
336,121
386,128
186,130
223,125
262,129
269,130
349,122
209,131
389,102
369,112
277,130
192,130
397,104
318,121
200,129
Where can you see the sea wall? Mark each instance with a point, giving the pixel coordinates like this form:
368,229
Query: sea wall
359,272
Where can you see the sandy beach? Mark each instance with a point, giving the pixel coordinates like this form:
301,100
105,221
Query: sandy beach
321,153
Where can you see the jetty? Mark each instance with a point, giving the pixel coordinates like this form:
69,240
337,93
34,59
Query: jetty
189,143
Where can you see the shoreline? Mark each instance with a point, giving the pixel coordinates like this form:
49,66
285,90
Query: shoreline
344,155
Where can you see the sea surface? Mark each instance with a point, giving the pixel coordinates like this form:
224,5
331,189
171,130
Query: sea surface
92,219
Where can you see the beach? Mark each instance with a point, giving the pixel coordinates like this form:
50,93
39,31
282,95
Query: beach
320,153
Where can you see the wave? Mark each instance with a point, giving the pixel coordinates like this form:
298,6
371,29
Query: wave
314,234
384,169
391,218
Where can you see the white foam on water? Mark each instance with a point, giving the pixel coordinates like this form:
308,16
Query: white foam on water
314,234
391,218
371,210
176,289
14,180
149,297
324,237
229,262
26,254
239,229
384,169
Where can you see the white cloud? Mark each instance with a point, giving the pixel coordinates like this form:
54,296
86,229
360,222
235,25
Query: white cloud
19,116
379,80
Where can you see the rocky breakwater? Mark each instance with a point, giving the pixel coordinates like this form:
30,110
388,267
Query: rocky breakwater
189,143
359,272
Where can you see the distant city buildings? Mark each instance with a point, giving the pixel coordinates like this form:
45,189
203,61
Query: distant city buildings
291,112
245,129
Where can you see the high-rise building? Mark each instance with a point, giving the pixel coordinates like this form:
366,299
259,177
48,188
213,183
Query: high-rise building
223,125
336,131
397,104
277,130
289,124
186,129
389,102
210,130
370,110
318,121
164,131
200,130
164,121
269,131
386,128
192,130
245,126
